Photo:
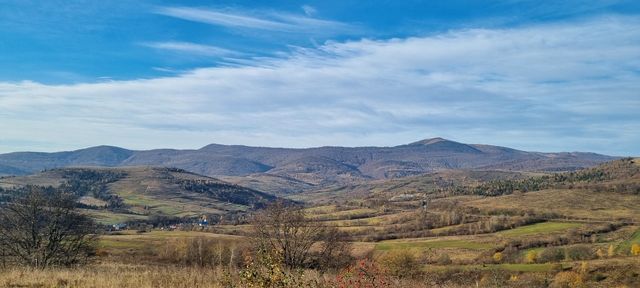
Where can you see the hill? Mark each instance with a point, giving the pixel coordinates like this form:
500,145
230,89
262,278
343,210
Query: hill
118,194
311,167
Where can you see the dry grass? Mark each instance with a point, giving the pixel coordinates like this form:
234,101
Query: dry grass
112,276
571,203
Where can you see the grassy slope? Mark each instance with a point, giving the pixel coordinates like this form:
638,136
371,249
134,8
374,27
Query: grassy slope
570,203
148,191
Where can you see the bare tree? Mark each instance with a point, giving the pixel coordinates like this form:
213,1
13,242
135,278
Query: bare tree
41,228
284,232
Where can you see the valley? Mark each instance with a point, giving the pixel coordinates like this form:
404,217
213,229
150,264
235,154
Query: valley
459,226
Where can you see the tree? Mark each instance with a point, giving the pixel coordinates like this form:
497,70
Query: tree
41,228
635,249
611,251
286,234
497,257
531,256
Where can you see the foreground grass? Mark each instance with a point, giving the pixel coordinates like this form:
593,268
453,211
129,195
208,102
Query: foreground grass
114,275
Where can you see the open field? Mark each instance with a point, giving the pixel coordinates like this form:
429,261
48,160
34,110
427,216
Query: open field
431,244
575,203
132,239
540,228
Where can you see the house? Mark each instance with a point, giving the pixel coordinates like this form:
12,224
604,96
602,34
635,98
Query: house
119,226
204,221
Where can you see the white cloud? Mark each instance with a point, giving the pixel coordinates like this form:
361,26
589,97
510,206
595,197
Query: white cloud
190,48
260,20
567,86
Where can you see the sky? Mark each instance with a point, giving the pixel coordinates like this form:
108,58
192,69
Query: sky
532,75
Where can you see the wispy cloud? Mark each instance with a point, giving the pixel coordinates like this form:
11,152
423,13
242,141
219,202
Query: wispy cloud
309,10
563,86
191,48
261,20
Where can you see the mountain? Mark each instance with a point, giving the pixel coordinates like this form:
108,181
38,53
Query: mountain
310,167
29,162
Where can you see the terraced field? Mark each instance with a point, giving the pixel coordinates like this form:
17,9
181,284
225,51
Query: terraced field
540,228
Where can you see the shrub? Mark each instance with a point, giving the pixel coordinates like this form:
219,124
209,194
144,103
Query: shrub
510,254
444,259
567,279
494,278
551,254
401,264
268,271
201,252
579,252
363,274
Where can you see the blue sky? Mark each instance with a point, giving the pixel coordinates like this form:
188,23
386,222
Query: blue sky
533,75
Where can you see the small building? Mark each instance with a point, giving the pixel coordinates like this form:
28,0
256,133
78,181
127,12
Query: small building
119,226
204,221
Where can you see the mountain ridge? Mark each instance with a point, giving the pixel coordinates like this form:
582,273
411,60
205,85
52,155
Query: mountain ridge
317,166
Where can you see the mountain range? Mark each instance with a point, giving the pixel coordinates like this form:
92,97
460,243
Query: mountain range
291,170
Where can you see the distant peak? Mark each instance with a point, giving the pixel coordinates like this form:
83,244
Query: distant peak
430,141
103,147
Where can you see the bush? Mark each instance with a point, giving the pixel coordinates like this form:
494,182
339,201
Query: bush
444,259
510,254
268,270
200,252
363,274
567,279
551,254
401,264
580,252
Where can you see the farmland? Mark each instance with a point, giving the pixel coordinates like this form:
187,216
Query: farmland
522,237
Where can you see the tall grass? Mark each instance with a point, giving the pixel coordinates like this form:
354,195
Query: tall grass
113,275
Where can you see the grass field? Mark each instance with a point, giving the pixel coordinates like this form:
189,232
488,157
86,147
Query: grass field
109,218
575,203
133,240
431,243
538,228
345,214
